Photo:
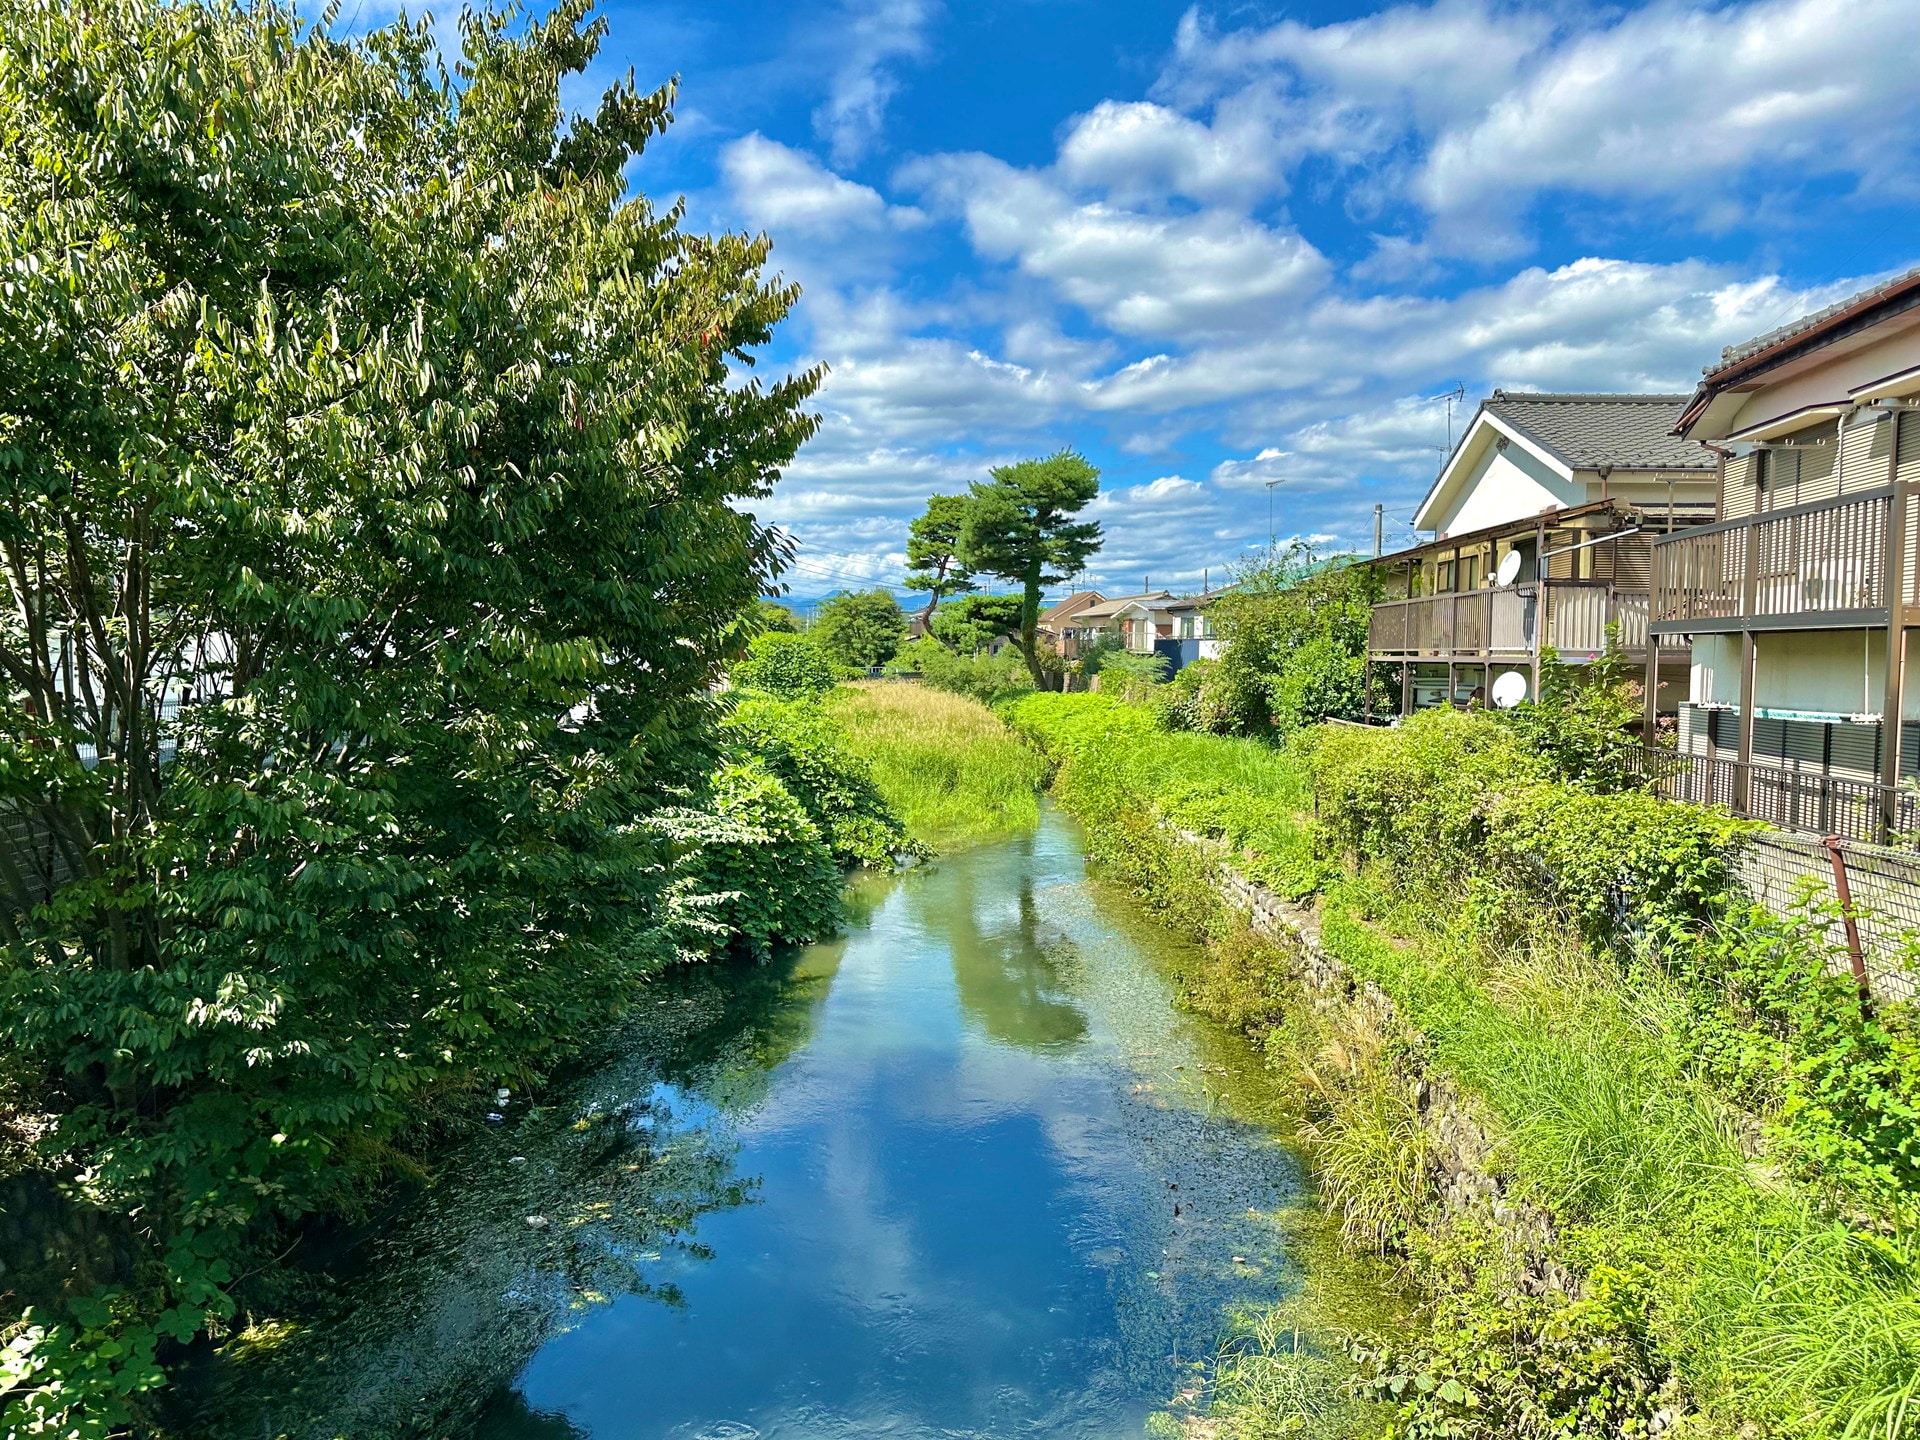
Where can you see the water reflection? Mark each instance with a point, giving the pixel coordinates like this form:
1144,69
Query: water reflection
966,1172
1011,973
527,1229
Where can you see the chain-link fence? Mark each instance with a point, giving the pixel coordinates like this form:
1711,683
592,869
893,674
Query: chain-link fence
1794,874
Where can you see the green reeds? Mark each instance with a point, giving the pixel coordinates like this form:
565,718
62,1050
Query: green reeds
952,772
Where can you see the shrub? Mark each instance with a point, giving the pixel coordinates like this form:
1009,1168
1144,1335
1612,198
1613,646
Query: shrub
1294,628
989,679
805,750
1583,723
1213,699
1129,675
787,665
755,860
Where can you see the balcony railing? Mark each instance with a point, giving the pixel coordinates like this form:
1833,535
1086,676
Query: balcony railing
1821,558
1788,798
1504,621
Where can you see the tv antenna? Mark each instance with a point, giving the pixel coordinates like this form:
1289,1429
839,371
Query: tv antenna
1456,396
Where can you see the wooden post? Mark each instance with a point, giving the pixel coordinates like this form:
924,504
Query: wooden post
1406,688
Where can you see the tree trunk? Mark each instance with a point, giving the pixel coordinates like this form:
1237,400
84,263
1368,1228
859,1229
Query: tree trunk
1029,625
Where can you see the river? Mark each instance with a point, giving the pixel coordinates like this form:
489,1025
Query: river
965,1170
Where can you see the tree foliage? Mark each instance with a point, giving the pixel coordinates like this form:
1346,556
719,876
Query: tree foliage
860,629
1021,527
771,615
1294,629
368,468
933,552
972,623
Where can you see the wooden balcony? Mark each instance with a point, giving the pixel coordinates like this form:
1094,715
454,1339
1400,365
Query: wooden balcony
1504,623
1822,564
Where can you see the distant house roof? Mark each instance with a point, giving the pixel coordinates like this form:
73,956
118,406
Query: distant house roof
1628,432
1066,609
1107,609
1201,601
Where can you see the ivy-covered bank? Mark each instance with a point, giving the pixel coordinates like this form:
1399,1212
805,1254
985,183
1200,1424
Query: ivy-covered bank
1701,1151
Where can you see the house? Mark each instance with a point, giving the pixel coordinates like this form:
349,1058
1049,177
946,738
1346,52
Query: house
1056,622
1800,600
1193,637
1134,621
1542,517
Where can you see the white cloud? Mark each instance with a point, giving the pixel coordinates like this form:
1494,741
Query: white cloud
788,192
1140,154
875,36
1144,292
1140,274
1470,111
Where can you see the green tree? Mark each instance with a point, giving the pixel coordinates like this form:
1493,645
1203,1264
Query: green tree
972,623
1020,526
788,665
860,628
369,478
1294,627
772,617
933,553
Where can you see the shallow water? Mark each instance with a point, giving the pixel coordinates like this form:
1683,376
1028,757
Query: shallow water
964,1171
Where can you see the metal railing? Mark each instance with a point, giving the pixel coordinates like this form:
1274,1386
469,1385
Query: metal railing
1792,799
1825,556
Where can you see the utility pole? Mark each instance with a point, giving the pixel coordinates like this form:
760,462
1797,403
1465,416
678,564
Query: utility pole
1379,515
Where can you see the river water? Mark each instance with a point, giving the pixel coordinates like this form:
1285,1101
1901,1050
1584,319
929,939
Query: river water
966,1170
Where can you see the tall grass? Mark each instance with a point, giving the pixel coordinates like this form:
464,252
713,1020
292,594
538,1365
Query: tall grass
1780,1314
946,764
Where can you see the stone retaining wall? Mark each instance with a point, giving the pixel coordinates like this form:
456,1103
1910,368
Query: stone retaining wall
1460,1152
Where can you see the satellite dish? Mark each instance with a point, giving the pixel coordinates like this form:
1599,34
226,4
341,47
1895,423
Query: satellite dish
1509,571
1511,688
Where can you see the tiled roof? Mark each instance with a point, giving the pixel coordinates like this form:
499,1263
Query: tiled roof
1734,354
1120,602
1629,432
1070,606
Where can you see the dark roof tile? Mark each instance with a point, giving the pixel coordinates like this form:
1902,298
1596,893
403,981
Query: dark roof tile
1629,432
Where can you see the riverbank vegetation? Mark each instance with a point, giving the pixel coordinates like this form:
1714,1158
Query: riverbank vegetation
946,765
1700,1144
370,500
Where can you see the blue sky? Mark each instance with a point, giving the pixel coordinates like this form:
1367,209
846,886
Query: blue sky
1211,246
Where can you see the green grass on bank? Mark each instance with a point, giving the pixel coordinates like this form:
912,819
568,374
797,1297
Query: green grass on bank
1719,1293
947,765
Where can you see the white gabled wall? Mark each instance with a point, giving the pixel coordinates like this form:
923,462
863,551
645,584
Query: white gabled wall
1504,485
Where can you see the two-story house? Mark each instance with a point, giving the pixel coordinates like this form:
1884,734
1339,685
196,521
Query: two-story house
1058,624
1800,600
1543,517
1133,621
